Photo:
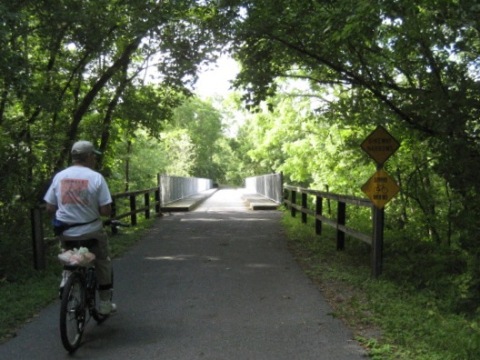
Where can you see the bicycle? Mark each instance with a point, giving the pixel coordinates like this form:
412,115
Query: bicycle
80,297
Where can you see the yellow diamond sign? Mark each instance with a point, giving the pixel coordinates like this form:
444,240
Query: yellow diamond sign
380,188
380,145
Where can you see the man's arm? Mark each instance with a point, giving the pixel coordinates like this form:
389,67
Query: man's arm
106,210
51,208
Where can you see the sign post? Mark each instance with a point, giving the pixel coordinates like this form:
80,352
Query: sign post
380,188
377,245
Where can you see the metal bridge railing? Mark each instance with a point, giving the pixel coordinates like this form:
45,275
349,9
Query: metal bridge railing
173,188
270,186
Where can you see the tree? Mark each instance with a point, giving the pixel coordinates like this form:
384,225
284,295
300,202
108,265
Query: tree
416,63
416,59
70,69
203,124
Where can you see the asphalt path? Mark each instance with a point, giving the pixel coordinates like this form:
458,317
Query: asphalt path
217,283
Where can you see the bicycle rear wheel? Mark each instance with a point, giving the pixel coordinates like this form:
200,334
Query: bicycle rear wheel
72,312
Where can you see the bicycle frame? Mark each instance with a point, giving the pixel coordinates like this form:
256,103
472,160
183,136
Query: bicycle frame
78,304
80,295
89,279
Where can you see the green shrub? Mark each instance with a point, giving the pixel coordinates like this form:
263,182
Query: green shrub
413,307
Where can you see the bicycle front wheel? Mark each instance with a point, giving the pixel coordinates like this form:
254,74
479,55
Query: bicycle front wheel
72,312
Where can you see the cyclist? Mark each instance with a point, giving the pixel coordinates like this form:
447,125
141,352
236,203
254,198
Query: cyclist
79,196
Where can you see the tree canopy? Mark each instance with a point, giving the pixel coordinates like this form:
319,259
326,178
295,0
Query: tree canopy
70,69
416,62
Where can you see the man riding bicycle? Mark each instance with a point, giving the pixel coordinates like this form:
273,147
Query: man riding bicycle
79,196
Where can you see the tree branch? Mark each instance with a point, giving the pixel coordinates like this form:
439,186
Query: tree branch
90,96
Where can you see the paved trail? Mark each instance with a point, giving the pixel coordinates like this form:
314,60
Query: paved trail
217,283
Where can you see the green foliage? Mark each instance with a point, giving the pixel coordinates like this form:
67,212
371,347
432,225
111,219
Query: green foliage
136,163
412,67
69,71
197,143
389,316
15,241
180,149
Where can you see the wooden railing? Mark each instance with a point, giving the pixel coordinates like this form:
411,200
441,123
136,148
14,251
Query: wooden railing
374,238
146,207
134,207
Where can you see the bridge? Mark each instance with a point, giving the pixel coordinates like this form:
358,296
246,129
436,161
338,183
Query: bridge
216,282
184,194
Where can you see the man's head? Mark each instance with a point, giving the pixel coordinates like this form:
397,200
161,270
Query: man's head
83,150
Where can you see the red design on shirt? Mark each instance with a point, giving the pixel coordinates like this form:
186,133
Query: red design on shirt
74,191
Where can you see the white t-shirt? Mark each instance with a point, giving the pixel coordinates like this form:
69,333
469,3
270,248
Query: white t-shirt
78,192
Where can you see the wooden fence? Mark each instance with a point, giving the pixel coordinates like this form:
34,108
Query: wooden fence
374,238
146,207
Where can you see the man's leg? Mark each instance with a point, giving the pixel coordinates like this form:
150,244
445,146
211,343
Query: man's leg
103,266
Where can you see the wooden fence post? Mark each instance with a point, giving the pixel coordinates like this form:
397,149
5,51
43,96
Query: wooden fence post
133,209
377,245
39,262
157,201
114,229
341,216
318,212
147,205
375,238
328,201
304,207
293,210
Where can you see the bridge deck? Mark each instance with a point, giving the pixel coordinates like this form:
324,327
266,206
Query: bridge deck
252,201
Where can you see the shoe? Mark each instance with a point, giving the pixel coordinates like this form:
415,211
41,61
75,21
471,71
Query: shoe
106,307
65,275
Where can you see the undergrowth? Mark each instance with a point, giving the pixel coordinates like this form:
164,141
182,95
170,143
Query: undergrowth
393,316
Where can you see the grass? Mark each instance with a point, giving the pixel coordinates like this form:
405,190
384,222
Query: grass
390,319
22,299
